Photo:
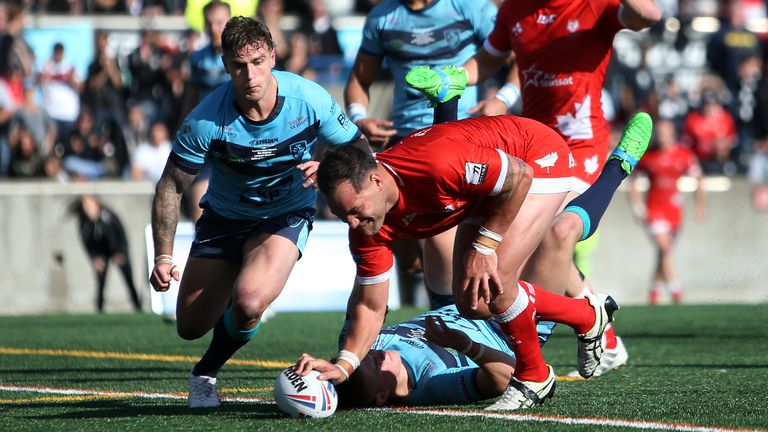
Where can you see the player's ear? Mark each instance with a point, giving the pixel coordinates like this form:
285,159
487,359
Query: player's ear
376,179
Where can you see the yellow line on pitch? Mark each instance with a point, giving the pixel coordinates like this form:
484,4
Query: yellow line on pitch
79,398
136,356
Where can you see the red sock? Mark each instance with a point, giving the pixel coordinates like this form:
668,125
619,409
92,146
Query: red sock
610,337
575,313
517,323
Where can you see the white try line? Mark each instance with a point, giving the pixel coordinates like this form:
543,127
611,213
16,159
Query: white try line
579,421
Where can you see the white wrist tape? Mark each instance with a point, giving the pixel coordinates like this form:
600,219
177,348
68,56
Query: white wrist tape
490,234
509,94
349,357
483,250
344,371
356,111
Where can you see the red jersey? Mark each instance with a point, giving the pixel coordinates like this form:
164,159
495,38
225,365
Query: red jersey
562,49
705,131
664,168
444,172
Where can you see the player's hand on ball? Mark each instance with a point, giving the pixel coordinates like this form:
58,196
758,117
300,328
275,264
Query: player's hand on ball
328,371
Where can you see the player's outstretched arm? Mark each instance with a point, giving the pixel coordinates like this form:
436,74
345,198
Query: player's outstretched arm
166,208
639,14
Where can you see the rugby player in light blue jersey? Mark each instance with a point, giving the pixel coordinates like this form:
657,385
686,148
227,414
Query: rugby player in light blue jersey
410,33
259,133
437,358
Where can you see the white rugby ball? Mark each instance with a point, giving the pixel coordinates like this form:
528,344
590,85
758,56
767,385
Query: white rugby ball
304,396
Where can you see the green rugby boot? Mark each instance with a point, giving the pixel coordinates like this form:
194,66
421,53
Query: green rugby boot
634,141
438,85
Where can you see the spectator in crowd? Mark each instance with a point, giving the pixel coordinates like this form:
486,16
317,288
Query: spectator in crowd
742,108
136,129
35,120
27,161
662,212
298,61
711,132
104,239
61,88
731,44
104,84
7,109
149,158
87,155
318,26
758,164
147,86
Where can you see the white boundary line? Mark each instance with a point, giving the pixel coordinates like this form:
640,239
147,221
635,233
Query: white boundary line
588,421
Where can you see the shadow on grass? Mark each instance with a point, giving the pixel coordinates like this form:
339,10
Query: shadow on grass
115,409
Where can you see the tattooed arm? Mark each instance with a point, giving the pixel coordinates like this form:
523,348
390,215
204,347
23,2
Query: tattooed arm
165,216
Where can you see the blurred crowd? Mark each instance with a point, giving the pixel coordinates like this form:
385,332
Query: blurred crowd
117,120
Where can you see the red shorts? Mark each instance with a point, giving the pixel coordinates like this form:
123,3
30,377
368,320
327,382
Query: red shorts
550,159
664,220
589,157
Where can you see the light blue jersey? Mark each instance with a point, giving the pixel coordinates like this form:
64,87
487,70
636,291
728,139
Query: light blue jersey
445,32
440,376
206,70
253,164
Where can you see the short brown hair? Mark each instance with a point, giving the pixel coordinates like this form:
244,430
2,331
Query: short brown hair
243,31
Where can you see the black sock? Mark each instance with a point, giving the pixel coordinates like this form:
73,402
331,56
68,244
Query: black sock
446,111
222,348
591,205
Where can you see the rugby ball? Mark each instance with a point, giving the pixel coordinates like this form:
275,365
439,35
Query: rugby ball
304,396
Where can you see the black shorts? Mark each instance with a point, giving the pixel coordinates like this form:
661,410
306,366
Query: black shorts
223,238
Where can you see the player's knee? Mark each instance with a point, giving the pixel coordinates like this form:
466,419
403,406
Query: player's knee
565,231
189,332
249,306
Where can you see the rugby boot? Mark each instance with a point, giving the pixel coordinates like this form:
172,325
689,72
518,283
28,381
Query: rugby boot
590,344
439,85
634,141
525,394
202,392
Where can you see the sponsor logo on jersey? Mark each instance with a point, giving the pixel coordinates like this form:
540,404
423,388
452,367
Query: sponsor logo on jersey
298,121
407,219
263,142
422,37
294,221
517,28
475,172
343,120
537,78
546,19
571,160
547,161
572,25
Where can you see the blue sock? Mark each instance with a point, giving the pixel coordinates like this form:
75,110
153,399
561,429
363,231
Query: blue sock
591,205
437,301
227,339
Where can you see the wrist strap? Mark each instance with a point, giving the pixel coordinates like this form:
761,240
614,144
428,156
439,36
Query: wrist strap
349,357
509,94
482,249
344,371
163,258
356,111
479,354
466,349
